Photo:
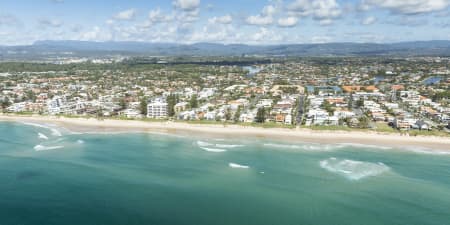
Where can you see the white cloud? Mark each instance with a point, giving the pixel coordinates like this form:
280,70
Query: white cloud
269,10
223,34
227,19
326,22
45,22
264,18
325,11
187,5
321,39
287,22
266,36
157,16
407,6
259,20
110,22
188,16
369,20
126,15
9,20
96,34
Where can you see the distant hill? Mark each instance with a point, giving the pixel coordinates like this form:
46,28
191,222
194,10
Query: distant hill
43,49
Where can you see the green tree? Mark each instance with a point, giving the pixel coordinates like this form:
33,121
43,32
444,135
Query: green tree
99,112
363,122
171,102
143,105
237,115
261,115
30,96
5,103
328,107
228,114
122,104
350,102
193,102
360,102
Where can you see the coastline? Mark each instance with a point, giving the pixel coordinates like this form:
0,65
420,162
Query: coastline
86,125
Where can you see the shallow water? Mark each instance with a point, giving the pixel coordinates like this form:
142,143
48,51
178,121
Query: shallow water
162,179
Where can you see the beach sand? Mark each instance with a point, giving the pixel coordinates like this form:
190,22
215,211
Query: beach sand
237,131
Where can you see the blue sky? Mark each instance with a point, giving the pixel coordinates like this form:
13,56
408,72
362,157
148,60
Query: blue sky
231,21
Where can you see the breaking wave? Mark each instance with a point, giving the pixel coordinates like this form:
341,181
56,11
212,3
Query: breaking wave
366,146
353,170
35,125
80,142
45,148
55,132
427,151
228,146
203,144
42,136
213,149
306,147
207,144
237,166
324,147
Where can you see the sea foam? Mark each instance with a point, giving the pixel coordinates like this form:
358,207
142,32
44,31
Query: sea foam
46,148
353,170
213,149
237,166
228,146
42,136
55,132
427,151
366,146
204,144
306,147
324,147
207,144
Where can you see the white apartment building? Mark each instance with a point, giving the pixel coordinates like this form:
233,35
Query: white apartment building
157,109
56,105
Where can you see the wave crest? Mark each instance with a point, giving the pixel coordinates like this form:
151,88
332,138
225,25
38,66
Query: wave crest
353,170
213,149
42,136
46,148
306,147
207,144
55,132
238,166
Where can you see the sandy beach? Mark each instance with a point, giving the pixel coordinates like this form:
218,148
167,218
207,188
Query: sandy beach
237,131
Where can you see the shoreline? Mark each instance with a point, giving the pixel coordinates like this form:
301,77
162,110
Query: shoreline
91,125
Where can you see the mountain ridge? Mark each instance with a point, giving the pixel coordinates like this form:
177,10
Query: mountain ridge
89,48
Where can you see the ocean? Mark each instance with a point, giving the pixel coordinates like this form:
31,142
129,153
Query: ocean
50,175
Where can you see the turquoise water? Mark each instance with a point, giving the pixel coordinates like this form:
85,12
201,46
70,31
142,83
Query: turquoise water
162,179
